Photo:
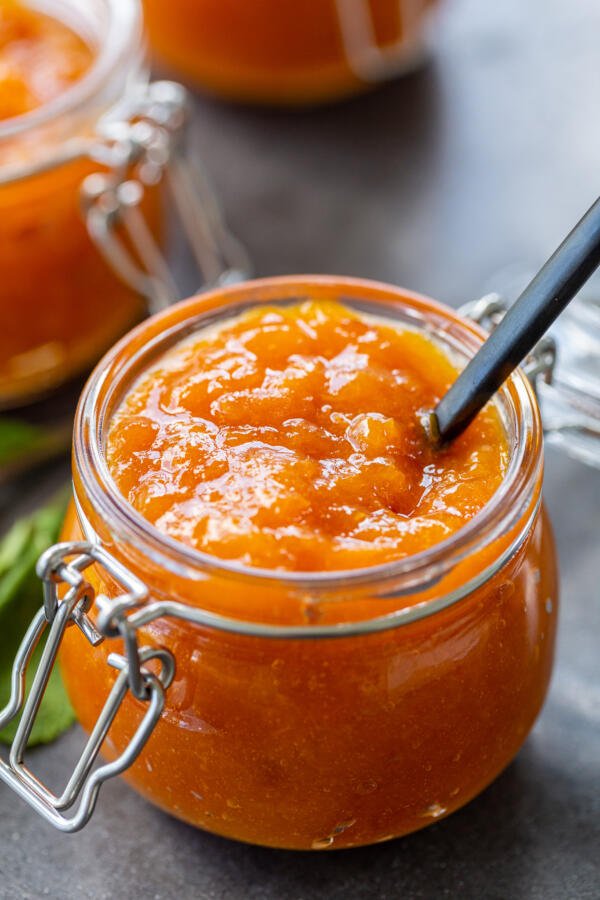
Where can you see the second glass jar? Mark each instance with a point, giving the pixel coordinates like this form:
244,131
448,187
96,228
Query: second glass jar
85,180
277,52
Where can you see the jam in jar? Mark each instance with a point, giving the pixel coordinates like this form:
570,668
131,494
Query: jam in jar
61,305
361,627
90,156
270,51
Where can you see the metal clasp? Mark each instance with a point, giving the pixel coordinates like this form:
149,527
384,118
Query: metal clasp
141,146
58,567
489,311
366,57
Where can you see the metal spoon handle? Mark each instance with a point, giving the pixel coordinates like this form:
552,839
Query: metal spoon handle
526,321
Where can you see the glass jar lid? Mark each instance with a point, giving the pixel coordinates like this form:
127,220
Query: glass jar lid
565,367
570,402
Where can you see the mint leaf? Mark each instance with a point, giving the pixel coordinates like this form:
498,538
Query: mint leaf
20,598
23,445
17,437
55,714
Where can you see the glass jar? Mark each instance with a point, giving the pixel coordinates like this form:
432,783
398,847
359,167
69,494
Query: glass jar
287,53
299,710
569,392
570,401
82,204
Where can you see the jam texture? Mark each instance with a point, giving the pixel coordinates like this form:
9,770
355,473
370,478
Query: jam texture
291,438
40,57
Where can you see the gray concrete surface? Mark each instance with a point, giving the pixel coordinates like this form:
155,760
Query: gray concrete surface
480,161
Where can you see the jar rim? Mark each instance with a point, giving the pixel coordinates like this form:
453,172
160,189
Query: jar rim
124,28
495,519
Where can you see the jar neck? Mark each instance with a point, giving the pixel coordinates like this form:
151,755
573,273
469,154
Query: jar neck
438,576
64,128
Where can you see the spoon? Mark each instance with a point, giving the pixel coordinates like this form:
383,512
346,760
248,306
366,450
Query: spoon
542,301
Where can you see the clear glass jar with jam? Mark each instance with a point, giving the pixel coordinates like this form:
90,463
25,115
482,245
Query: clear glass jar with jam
91,160
304,706
277,52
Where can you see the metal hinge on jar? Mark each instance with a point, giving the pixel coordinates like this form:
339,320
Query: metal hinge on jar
141,146
489,311
62,567
367,58
564,372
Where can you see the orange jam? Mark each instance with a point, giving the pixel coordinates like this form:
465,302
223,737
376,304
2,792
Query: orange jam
291,438
378,617
61,305
39,58
282,52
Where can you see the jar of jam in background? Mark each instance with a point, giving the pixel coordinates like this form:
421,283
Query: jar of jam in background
306,710
88,176
276,52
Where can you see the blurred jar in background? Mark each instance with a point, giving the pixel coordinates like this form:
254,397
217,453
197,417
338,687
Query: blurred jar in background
91,164
284,52
60,303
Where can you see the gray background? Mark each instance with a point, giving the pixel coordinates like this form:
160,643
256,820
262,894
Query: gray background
479,162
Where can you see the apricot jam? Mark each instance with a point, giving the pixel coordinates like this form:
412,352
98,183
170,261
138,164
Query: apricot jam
364,627
292,438
270,51
61,305
39,58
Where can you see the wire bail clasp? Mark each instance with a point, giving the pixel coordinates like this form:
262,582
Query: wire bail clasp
140,146
488,311
59,567
366,57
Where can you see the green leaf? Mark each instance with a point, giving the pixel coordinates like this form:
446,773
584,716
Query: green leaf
16,438
55,714
20,598
23,445
14,544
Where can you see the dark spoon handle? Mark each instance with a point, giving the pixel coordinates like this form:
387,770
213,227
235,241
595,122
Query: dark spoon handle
523,325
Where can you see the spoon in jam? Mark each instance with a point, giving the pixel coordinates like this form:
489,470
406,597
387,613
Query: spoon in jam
542,301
